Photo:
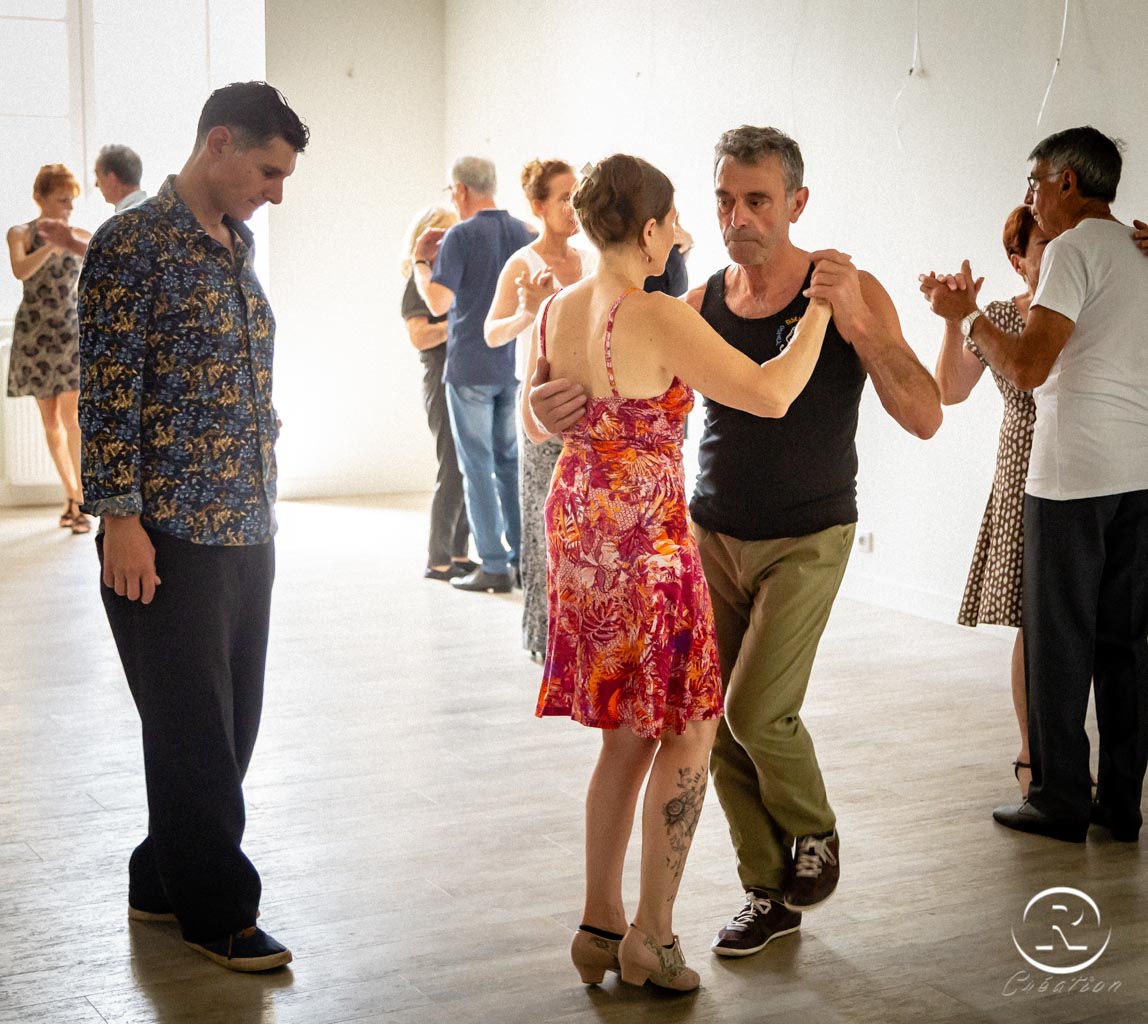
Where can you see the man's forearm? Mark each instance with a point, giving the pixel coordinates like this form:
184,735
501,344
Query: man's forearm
907,390
1004,353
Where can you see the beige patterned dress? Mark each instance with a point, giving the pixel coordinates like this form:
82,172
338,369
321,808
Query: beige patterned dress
993,591
45,358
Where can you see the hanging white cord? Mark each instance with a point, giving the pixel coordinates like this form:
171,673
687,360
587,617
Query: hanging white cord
801,22
915,69
1056,66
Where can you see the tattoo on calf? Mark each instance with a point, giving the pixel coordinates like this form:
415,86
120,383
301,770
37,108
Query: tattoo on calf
682,814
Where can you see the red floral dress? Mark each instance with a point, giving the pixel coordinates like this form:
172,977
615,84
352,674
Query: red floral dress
630,641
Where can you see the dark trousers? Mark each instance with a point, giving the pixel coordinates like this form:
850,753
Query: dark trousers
449,530
194,661
1086,619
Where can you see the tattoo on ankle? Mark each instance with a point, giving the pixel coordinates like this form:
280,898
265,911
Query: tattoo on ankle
682,814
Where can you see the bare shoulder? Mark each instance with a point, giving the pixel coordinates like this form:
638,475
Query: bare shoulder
874,293
869,284
515,265
18,233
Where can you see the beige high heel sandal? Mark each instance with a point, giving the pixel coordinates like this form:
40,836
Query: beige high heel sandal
641,959
593,956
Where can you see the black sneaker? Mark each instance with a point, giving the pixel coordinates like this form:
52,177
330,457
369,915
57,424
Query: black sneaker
815,872
757,924
251,949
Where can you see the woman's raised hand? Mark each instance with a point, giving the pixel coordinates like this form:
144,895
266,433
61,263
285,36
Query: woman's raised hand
534,290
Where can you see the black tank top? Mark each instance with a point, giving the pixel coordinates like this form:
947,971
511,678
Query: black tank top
789,477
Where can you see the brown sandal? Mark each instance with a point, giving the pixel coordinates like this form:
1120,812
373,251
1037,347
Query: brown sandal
80,523
69,516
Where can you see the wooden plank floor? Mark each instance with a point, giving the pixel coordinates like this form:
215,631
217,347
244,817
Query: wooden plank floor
419,832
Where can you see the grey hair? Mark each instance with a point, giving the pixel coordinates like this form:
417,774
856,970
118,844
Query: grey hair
476,173
1092,155
750,145
123,162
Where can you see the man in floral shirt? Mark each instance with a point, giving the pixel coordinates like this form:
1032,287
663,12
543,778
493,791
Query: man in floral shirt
176,342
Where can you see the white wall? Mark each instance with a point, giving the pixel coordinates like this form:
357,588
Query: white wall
662,78
367,76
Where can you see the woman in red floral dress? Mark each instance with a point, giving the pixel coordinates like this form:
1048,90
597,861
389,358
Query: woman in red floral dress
630,646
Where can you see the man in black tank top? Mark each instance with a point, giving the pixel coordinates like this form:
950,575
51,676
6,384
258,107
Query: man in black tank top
774,511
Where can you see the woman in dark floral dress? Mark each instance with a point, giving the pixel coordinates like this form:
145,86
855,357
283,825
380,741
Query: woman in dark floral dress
45,360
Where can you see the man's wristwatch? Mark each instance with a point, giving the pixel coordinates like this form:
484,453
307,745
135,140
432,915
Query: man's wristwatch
422,263
968,321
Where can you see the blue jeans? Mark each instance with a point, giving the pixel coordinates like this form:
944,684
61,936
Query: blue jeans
482,419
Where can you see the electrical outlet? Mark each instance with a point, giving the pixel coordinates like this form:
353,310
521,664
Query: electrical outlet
864,541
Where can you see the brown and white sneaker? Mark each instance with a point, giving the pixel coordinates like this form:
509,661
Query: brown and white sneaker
816,870
756,925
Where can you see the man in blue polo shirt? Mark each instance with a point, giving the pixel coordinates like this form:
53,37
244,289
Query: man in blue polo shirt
456,273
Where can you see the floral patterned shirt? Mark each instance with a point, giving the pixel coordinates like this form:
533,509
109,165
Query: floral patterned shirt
176,346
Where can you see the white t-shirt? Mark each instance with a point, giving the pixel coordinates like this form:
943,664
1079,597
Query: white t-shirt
1091,435
535,263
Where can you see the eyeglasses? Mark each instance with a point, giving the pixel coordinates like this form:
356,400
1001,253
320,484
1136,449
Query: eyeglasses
1032,182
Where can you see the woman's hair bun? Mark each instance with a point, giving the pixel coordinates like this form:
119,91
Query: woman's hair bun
618,196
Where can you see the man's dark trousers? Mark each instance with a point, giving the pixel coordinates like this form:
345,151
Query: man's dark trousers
194,660
1086,619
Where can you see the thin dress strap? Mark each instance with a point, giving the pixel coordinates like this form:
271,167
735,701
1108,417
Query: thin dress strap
609,333
542,326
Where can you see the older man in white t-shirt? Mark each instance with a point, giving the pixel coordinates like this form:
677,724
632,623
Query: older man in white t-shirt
1084,352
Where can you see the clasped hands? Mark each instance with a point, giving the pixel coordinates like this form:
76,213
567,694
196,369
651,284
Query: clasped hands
426,247
952,296
55,232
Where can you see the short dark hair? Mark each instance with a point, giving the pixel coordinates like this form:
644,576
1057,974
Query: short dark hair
123,162
615,199
255,113
1092,155
751,145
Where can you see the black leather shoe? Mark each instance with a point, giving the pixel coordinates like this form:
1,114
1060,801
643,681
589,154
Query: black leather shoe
485,582
1026,818
452,572
1123,829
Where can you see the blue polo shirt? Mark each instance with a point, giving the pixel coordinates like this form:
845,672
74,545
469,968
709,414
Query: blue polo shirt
469,261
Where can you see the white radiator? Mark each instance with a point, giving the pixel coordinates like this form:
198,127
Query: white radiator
26,459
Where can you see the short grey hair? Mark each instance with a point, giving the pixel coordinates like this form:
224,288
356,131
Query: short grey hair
1092,155
476,173
750,145
123,162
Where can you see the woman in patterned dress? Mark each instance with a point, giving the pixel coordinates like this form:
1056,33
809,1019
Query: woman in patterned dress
530,276
630,646
45,359
993,591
